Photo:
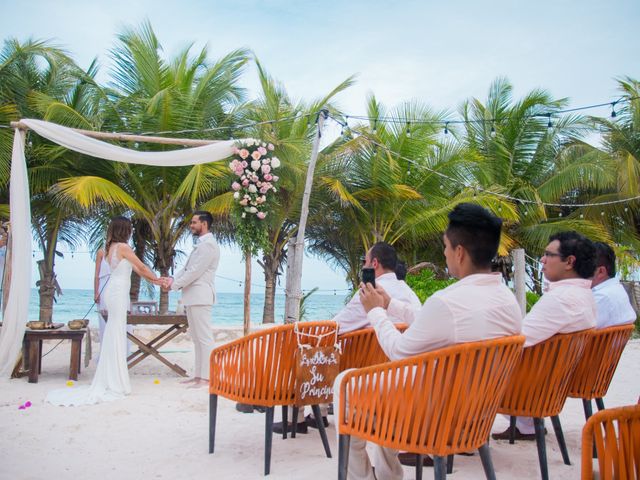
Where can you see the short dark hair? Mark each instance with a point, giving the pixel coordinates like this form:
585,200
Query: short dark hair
477,230
605,257
385,254
401,270
579,246
205,217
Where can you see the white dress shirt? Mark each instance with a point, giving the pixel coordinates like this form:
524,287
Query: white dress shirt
478,307
354,317
612,303
567,306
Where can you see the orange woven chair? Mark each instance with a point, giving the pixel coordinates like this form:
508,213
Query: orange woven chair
616,433
539,387
438,403
259,369
595,371
361,348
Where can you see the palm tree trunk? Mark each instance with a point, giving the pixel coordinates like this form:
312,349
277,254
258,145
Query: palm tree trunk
247,292
46,285
140,249
164,294
270,275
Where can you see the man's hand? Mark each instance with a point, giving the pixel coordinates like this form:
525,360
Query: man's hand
385,296
371,297
167,282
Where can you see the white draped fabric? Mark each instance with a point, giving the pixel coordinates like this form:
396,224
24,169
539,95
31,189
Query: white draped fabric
17,308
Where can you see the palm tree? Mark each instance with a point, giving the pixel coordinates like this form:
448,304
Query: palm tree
522,149
38,80
151,94
292,134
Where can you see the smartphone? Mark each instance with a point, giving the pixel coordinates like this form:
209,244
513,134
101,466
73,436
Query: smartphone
369,276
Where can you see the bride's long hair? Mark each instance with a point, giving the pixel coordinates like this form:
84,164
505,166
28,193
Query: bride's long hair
119,231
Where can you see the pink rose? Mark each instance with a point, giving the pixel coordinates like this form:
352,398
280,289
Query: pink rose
268,177
256,155
234,150
261,215
239,171
255,164
235,186
266,168
265,161
243,202
245,182
264,189
271,147
244,153
262,150
245,164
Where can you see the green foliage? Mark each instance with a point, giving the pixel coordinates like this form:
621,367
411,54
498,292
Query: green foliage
303,303
627,262
425,284
532,298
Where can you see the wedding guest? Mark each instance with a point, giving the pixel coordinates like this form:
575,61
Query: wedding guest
477,307
612,302
382,258
567,306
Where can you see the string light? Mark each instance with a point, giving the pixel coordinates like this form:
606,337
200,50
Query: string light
446,128
493,130
408,129
375,127
549,124
613,110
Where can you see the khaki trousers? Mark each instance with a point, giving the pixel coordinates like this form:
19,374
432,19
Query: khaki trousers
199,317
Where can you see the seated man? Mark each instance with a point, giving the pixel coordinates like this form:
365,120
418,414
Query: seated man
478,307
383,259
612,302
567,305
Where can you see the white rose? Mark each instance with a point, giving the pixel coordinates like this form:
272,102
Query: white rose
275,162
236,195
253,210
244,215
255,164
252,189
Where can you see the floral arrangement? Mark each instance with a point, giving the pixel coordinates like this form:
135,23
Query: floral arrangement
254,166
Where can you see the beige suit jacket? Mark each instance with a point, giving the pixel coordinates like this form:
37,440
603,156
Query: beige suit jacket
196,279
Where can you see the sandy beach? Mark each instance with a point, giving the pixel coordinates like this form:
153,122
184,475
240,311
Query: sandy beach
160,431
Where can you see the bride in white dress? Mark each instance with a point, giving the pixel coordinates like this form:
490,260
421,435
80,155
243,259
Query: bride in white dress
111,380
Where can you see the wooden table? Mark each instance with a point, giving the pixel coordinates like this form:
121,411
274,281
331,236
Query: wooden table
32,349
177,324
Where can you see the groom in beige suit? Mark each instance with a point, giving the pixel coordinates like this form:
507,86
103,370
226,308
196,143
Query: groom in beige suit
196,280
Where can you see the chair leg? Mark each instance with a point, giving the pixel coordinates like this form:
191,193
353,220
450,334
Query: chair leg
294,420
512,429
557,427
588,411
343,456
600,403
268,438
285,421
487,463
213,411
439,468
323,432
419,459
449,464
542,447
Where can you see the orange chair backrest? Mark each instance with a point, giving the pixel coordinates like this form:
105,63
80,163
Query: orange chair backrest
260,367
599,361
439,402
616,432
541,380
361,348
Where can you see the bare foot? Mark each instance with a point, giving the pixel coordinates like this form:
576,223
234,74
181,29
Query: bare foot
200,382
191,380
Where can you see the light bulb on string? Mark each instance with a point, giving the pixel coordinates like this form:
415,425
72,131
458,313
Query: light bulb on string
408,129
375,127
582,215
493,130
446,128
549,124
560,214
626,209
613,110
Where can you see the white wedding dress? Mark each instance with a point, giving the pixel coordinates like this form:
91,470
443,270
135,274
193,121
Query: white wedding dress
111,380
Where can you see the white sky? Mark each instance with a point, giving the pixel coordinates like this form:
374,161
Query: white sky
439,53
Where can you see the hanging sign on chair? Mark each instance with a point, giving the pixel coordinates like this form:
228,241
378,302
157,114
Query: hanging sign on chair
316,370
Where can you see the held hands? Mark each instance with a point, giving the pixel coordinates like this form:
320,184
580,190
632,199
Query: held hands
165,282
373,297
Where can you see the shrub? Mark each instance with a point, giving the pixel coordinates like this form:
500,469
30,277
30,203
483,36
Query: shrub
425,284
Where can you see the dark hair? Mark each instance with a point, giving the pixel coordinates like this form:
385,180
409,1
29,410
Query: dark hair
572,243
605,257
205,217
401,270
119,231
385,254
477,230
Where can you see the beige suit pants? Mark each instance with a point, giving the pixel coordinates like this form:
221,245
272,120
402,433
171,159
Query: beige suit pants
199,317
388,466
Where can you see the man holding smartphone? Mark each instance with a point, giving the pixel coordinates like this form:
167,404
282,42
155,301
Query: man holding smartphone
379,268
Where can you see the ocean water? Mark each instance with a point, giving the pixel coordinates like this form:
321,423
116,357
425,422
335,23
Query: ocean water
227,312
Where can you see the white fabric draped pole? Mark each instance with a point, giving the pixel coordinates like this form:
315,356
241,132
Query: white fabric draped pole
17,308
